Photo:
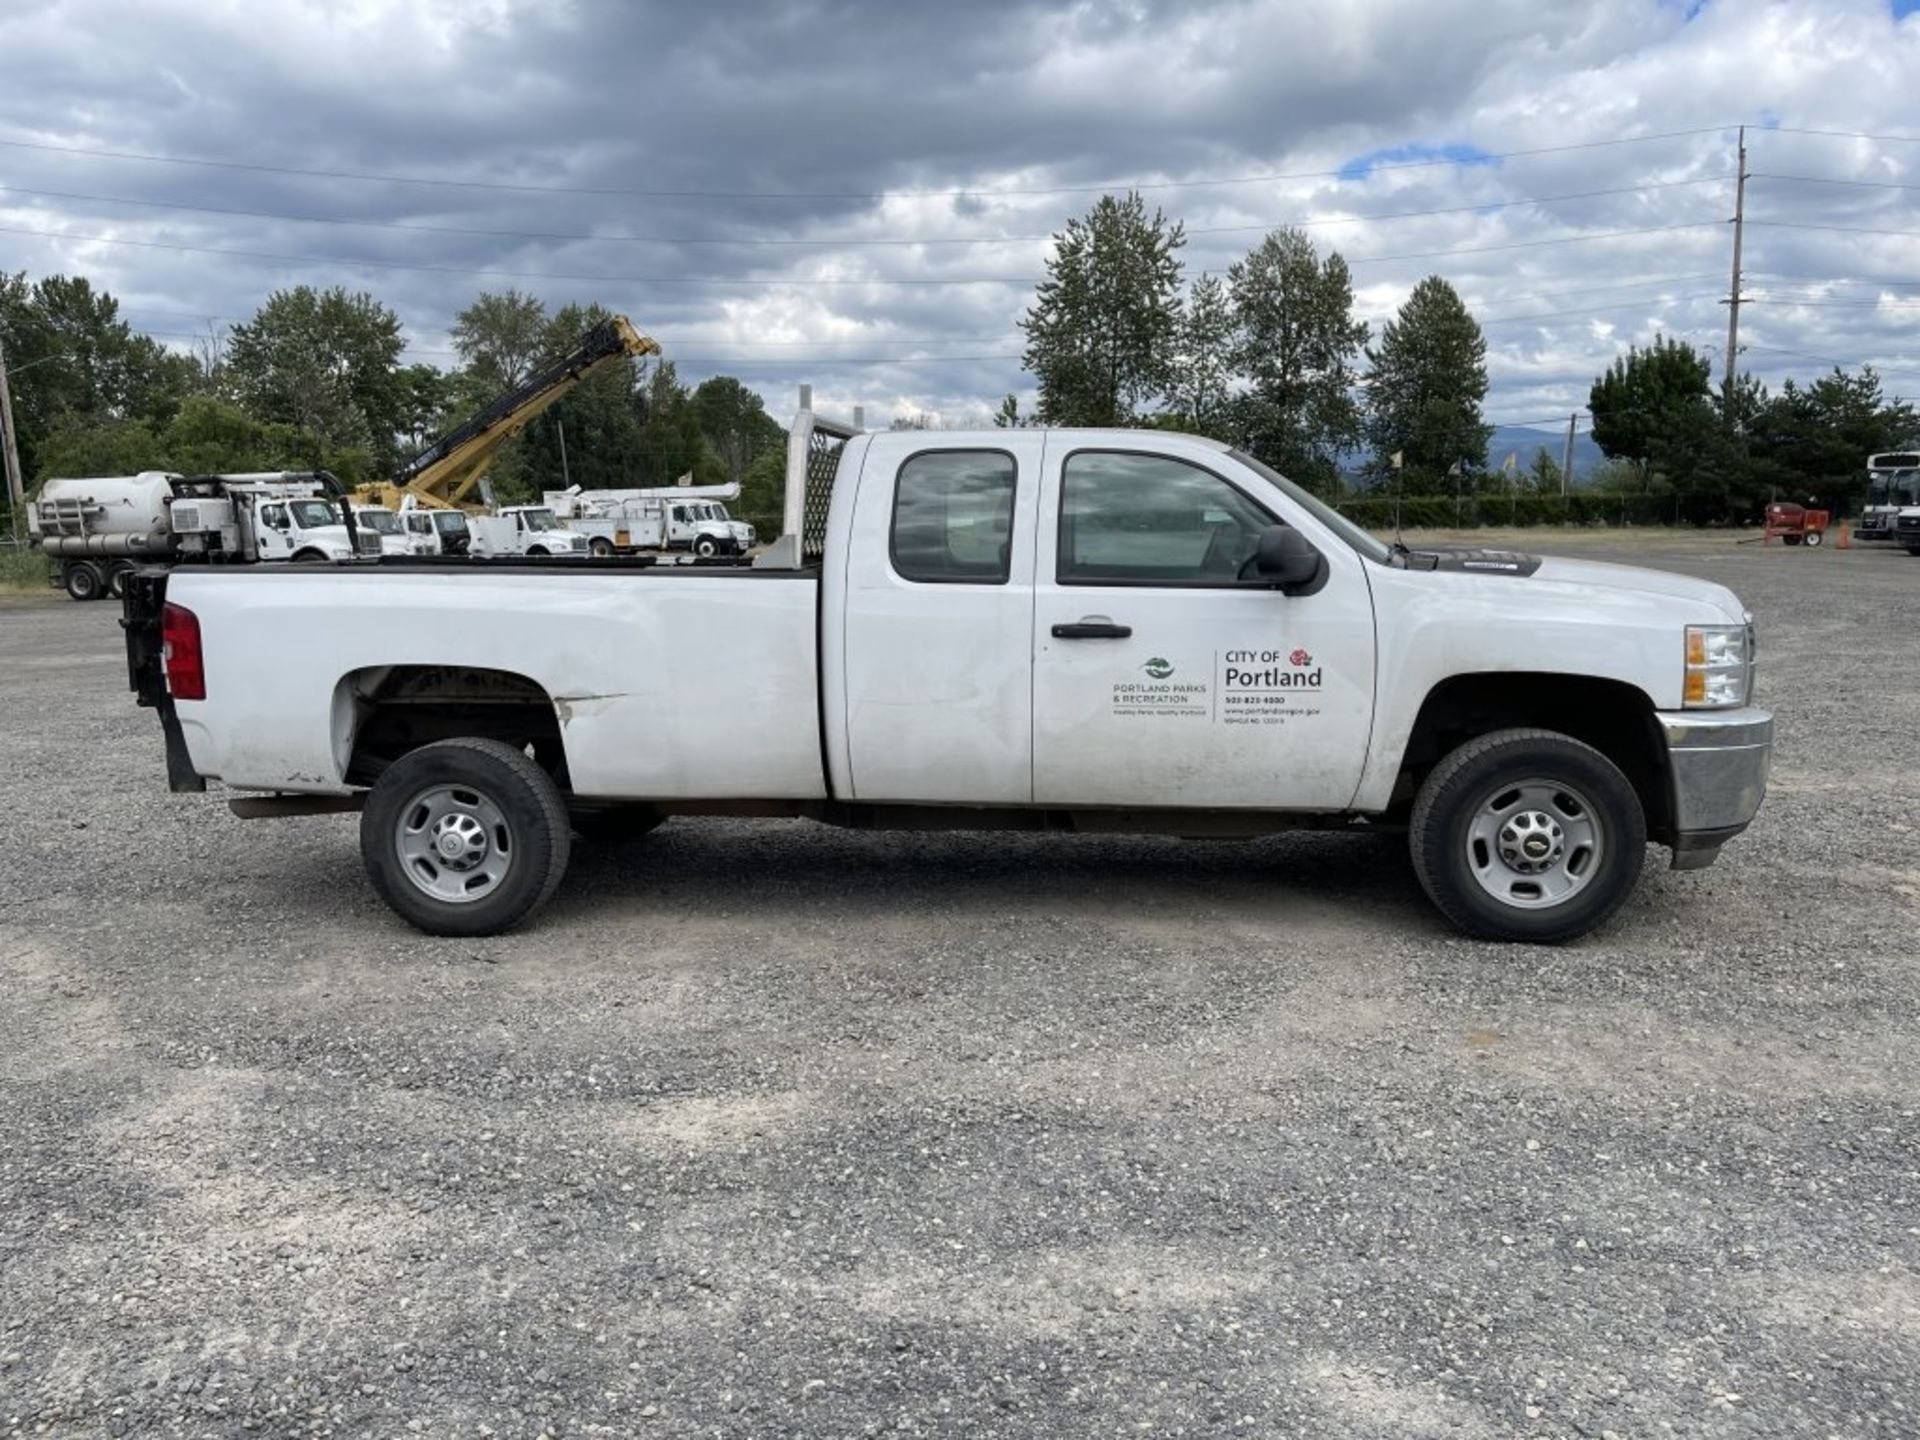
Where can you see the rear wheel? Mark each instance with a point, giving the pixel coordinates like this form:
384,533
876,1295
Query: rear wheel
601,546
1814,538
1527,835
84,581
117,578
465,837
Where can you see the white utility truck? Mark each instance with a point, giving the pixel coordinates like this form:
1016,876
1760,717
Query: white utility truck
1084,630
95,531
523,530
680,517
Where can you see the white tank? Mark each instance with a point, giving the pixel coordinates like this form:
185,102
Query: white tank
106,515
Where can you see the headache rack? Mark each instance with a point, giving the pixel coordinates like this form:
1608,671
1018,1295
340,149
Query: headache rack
814,446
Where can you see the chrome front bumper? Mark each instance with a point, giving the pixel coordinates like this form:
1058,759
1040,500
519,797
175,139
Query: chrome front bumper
1717,772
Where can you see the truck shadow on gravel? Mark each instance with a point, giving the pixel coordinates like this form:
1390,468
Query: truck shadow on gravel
764,870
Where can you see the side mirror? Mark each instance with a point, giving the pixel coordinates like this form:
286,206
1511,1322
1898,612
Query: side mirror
1284,559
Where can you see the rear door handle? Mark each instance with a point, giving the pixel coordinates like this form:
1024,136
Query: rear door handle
1092,630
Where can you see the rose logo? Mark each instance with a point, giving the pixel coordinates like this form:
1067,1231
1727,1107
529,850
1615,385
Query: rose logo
1301,658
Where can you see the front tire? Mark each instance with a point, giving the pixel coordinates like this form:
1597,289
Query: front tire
1527,835
465,837
536,552
706,547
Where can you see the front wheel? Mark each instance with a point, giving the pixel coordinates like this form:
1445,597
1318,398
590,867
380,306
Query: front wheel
1527,835
536,552
465,837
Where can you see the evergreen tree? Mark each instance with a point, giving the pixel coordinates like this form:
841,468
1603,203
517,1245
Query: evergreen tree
1298,346
1104,323
1427,383
1202,387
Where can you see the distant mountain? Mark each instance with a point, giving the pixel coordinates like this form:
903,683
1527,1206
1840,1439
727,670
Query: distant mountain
1524,440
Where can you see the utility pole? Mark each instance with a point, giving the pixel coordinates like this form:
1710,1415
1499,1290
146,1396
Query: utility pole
1732,301
9,451
1566,461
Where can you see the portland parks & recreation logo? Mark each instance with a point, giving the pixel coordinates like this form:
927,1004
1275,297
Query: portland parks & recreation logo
1158,668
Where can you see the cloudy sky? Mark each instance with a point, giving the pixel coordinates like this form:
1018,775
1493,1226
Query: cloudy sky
860,195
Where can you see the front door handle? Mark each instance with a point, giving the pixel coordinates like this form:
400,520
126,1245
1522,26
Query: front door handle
1092,629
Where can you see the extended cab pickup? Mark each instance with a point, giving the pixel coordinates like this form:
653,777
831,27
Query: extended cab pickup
1040,629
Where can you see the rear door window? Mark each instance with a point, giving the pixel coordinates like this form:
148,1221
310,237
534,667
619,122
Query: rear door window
953,517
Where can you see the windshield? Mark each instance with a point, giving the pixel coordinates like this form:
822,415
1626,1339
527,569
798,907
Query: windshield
1900,488
310,514
719,512
450,522
381,522
1340,525
539,520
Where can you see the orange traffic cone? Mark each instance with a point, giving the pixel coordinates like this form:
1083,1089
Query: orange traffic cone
1845,542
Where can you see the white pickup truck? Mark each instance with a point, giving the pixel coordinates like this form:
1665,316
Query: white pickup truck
1075,630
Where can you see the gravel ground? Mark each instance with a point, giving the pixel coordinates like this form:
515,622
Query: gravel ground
766,1129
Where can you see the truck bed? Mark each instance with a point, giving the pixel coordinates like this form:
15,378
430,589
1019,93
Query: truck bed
654,670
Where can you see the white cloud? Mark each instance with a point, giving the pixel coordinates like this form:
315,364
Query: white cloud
724,105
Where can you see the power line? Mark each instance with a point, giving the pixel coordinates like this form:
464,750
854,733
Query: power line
1344,172
1837,229
1839,134
775,280
791,241
1832,180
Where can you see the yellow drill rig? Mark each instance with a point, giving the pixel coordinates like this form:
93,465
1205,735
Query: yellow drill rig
444,475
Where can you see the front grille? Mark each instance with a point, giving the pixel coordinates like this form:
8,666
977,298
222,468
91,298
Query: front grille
369,542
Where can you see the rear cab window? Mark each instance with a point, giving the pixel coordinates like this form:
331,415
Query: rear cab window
952,517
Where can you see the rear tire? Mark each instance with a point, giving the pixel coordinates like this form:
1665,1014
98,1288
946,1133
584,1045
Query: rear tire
1485,804
84,581
1814,539
465,837
117,579
601,547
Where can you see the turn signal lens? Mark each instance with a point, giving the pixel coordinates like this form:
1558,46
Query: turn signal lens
1719,666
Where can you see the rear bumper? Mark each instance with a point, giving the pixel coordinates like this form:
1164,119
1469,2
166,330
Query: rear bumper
1717,770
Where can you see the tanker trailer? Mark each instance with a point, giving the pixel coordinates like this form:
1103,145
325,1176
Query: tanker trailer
96,530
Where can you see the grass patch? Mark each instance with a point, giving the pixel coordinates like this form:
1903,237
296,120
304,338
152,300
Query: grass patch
22,569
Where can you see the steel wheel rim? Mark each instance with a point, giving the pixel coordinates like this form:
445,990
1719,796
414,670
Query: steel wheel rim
1534,844
454,843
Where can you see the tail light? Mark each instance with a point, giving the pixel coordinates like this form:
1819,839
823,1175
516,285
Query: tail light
180,653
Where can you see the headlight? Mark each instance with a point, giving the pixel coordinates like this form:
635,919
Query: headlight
1719,670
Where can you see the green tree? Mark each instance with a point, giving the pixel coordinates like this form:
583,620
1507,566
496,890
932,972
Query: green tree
324,361
77,366
1104,323
672,444
1201,390
1812,441
592,437
1543,475
1298,348
1428,380
1650,400
735,421
502,336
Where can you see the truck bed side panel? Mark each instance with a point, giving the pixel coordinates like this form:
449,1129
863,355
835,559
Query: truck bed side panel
670,686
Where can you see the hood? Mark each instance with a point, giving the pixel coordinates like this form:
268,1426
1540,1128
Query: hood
1599,574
